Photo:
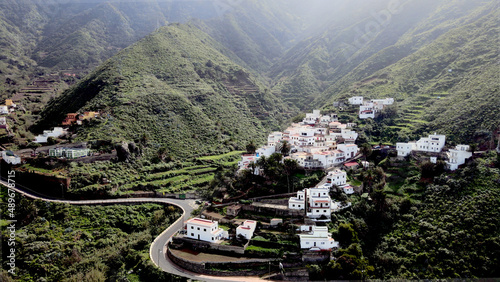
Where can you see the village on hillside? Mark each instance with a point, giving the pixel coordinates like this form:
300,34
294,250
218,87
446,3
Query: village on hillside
255,231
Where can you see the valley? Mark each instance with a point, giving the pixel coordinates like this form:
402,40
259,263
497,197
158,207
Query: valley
124,99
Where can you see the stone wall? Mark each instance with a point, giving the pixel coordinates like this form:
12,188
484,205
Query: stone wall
207,246
211,268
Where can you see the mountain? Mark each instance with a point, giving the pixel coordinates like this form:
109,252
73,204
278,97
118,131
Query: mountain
177,87
430,56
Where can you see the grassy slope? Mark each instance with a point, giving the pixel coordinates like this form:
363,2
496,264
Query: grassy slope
184,93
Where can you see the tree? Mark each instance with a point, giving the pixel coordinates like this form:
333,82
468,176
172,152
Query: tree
285,148
33,146
251,147
366,150
289,167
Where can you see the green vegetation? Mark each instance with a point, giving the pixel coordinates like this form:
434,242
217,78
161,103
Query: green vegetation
186,95
443,228
57,242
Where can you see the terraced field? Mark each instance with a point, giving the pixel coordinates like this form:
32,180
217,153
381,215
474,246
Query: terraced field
166,178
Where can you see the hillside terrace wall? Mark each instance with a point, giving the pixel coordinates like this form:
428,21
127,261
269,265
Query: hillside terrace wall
208,267
206,246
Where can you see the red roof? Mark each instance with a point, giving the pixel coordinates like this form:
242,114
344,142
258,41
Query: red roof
351,164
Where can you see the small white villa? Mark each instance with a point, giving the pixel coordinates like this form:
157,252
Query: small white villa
357,100
70,153
246,229
337,177
56,132
318,238
458,156
204,230
11,158
433,143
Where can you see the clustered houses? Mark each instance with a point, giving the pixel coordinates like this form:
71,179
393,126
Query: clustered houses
368,109
458,156
204,230
72,118
318,237
433,143
319,141
70,153
56,132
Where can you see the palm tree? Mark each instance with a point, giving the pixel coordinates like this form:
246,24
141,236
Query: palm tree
285,148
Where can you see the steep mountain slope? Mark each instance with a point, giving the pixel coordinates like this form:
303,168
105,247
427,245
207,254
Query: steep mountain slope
178,88
420,54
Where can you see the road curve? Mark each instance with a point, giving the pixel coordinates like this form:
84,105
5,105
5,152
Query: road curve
158,247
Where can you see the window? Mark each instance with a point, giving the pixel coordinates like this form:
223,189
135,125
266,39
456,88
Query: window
322,243
293,205
307,243
198,228
192,234
324,211
192,227
204,229
212,238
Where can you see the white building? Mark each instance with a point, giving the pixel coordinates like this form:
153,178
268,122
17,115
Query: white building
4,110
318,238
350,150
458,156
265,151
246,159
10,158
366,111
298,202
357,100
404,149
56,132
315,201
274,138
246,229
348,189
337,177
312,118
433,143
204,230
385,102
70,153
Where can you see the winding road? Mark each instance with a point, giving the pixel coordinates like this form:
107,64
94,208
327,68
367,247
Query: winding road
158,247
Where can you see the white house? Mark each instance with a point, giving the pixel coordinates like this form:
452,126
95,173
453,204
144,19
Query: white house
298,202
312,118
385,102
204,230
433,143
274,138
337,177
349,136
366,111
70,153
265,151
4,110
246,229
318,238
56,132
246,159
350,150
10,158
458,156
357,100
316,202
348,189
404,149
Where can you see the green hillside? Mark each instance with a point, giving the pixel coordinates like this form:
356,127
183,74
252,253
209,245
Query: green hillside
429,57
176,87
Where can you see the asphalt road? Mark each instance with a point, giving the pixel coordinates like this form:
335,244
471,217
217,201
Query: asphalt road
157,250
